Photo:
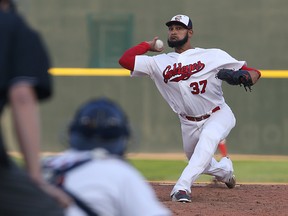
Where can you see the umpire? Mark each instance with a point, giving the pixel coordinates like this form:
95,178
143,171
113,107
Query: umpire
24,80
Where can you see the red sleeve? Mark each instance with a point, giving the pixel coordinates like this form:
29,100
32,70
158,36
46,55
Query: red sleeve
247,68
128,58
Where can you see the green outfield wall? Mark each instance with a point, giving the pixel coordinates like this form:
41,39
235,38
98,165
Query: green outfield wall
92,34
78,33
262,117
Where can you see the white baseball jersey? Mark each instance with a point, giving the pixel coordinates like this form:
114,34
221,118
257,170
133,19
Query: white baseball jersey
187,80
108,185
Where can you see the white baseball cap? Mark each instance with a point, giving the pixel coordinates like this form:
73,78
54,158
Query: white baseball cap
182,20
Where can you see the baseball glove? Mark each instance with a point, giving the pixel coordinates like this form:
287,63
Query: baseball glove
239,77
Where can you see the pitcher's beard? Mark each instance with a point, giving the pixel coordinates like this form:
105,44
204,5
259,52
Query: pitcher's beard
178,43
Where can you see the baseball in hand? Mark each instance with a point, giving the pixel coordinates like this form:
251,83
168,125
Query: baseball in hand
159,44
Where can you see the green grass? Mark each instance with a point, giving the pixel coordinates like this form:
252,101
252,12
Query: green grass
246,171
261,171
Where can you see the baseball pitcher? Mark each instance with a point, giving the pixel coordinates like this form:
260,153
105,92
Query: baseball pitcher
190,80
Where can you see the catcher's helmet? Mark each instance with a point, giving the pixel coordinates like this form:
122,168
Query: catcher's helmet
99,123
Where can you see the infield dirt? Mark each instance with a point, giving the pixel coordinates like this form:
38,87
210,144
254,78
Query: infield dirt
217,200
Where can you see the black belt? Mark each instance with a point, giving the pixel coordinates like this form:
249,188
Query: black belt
200,118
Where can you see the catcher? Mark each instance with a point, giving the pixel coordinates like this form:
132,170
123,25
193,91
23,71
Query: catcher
94,172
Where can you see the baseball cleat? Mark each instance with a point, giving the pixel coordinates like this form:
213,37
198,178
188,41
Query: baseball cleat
231,183
181,196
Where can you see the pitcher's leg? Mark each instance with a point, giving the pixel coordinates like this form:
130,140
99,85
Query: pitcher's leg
222,170
211,132
200,159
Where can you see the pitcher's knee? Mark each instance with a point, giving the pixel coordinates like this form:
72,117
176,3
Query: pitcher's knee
210,137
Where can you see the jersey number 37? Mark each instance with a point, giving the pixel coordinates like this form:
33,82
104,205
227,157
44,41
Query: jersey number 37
198,87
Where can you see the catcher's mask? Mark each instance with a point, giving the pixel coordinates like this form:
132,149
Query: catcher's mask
99,123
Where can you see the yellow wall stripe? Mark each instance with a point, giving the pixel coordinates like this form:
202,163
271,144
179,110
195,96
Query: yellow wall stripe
274,73
89,72
124,72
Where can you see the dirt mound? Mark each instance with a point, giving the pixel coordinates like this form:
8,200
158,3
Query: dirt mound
217,199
